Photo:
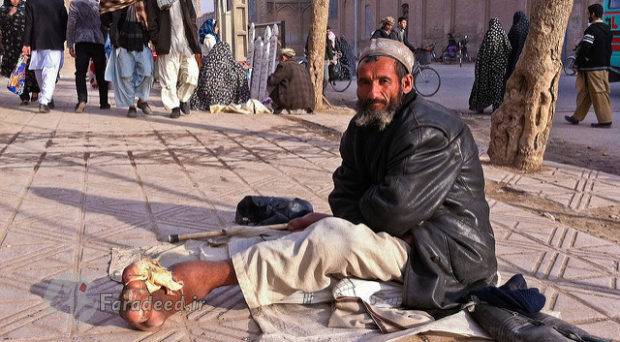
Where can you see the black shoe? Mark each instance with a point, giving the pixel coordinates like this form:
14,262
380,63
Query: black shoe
24,103
601,125
132,112
51,105
571,119
105,106
44,108
176,113
79,108
185,108
144,107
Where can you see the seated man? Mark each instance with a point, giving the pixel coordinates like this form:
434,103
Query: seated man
408,205
289,86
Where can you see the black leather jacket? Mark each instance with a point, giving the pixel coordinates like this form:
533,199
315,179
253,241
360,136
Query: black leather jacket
421,177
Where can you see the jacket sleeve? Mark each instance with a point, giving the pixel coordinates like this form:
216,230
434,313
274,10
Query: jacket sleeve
152,20
194,25
278,76
417,181
28,27
349,186
106,21
585,47
409,45
71,22
64,17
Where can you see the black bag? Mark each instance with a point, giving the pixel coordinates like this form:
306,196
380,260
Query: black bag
263,210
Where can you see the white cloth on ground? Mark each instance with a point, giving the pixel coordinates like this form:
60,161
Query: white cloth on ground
251,107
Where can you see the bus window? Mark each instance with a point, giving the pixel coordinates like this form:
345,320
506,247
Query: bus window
614,4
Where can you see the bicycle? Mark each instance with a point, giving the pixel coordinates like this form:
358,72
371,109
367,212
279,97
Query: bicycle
343,74
426,80
342,79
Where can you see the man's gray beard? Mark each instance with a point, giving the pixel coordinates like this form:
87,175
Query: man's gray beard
380,118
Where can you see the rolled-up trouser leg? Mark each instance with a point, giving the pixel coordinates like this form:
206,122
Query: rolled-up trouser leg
309,260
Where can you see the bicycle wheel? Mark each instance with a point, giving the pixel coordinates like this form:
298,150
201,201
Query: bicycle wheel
568,66
427,81
343,83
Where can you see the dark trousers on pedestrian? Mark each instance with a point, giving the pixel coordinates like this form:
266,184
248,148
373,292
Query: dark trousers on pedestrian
84,52
31,90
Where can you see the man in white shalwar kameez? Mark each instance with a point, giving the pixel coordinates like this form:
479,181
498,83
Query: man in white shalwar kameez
172,24
44,42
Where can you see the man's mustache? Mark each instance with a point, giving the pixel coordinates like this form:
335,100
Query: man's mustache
369,102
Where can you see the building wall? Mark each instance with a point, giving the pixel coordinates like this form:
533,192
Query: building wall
430,21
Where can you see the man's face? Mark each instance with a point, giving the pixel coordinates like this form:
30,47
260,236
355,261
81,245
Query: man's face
388,26
284,58
402,24
15,2
379,91
591,17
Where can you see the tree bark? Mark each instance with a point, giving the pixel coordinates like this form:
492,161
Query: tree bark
520,126
316,49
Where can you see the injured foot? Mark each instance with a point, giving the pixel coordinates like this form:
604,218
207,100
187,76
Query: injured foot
150,295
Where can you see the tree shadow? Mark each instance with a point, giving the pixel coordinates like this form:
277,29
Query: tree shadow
159,218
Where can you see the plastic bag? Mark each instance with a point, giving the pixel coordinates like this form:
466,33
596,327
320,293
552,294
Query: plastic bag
262,210
17,81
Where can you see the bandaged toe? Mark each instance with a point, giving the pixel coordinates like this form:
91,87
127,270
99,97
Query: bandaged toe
154,276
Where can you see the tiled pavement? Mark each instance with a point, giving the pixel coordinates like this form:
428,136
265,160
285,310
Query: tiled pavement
75,185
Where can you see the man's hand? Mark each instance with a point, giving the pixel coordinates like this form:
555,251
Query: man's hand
304,222
72,52
26,50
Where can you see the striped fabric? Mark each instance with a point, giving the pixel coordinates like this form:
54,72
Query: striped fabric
114,5
588,38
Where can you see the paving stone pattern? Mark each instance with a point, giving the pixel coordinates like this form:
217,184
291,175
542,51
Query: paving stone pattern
73,186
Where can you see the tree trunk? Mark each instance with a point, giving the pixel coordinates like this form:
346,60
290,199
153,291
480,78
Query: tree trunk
520,127
316,49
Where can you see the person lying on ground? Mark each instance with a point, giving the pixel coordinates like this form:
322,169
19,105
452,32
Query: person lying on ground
408,205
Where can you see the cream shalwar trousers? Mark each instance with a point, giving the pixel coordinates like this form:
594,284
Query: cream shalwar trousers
178,76
310,260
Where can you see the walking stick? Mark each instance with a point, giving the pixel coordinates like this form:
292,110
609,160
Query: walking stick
232,231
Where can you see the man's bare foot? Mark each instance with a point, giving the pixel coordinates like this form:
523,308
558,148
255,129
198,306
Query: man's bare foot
148,312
